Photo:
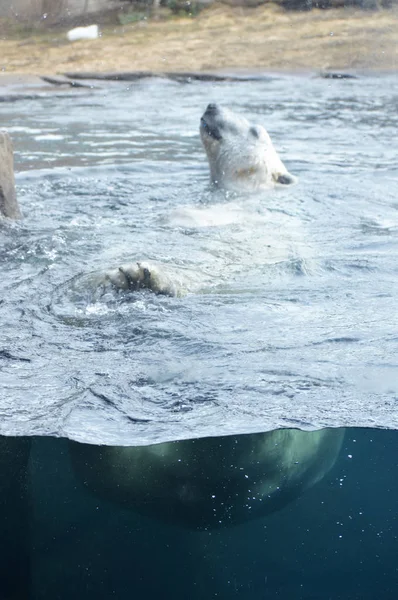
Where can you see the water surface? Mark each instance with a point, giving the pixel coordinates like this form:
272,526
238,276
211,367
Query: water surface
291,316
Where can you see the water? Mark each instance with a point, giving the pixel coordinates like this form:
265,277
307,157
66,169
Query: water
288,321
338,541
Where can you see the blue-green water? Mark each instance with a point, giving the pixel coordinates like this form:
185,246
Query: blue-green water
338,541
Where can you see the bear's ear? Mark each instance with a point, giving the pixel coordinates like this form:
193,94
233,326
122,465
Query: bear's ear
284,178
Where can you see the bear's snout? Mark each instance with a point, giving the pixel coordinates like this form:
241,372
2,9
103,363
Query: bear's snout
211,108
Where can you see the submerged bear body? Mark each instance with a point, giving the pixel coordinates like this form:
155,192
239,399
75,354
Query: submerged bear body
210,482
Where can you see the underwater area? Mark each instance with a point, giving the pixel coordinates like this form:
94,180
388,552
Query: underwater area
289,322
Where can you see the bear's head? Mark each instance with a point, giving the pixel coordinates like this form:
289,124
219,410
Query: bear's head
240,154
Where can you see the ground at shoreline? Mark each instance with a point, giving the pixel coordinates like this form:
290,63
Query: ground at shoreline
220,37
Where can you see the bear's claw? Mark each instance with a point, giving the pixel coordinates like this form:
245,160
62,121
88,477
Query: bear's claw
142,280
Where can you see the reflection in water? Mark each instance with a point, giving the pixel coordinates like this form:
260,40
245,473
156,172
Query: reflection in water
338,540
210,482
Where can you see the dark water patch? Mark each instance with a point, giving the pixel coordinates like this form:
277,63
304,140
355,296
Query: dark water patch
62,534
5,354
341,340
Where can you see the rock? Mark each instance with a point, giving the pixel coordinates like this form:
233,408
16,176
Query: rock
14,87
60,80
8,200
332,75
115,76
181,77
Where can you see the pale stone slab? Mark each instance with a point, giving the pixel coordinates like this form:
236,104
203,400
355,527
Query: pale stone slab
8,200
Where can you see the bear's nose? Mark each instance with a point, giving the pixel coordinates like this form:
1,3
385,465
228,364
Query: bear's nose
211,107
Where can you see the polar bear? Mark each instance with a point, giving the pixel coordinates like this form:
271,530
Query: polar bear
240,154
220,481
209,483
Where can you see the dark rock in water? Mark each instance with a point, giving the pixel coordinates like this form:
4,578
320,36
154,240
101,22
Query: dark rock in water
133,76
16,87
184,77
188,77
8,200
59,80
332,75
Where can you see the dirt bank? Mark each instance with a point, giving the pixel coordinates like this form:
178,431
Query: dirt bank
221,37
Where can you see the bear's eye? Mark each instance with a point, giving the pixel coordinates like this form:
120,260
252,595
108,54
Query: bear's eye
211,130
254,132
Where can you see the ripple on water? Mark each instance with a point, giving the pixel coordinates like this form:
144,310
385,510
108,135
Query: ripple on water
288,319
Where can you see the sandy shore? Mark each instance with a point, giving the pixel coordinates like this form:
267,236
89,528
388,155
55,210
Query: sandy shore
221,37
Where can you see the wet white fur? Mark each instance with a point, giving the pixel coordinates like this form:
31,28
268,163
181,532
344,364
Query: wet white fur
242,157
241,160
